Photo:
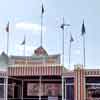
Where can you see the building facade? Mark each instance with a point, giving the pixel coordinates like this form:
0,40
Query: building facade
3,76
39,77
36,77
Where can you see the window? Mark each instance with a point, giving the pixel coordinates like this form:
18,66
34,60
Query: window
1,90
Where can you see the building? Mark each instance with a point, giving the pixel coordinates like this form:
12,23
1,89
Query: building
36,77
3,76
82,84
39,77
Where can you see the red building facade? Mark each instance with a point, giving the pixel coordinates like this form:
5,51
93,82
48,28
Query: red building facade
39,77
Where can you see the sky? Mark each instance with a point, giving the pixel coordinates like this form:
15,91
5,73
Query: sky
25,18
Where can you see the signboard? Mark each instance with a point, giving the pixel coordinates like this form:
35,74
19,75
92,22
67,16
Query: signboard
52,89
32,89
47,89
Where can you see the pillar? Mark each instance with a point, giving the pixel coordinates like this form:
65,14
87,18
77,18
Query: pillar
40,88
22,89
79,83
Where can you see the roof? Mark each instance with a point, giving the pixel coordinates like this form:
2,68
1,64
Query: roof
46,70
35,71
31,57
40,56
34,59
3,60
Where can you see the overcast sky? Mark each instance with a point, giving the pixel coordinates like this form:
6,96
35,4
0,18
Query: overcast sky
24,18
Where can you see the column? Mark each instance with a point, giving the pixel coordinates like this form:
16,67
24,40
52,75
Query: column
62,87
79,83
22,89
40,88
6,88
65,90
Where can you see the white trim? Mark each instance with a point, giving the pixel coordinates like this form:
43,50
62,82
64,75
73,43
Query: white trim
69,84
92,83
73,76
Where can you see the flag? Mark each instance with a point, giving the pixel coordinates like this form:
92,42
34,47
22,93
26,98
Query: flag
7,27
62,26
24,41
42,9
71,39
83,28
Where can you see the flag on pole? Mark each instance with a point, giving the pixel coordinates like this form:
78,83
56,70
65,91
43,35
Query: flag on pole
42,9
24,47
83,28
62,26
7,27
24,41
71,39
42,12
7,30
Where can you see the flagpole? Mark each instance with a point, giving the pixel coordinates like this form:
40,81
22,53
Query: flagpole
84,65
7,43
42,11
41,28
83,35
23,43
63,43
41,42
84,51
7,30
24,50
69,50
63,26
70,45
63,60
84,57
